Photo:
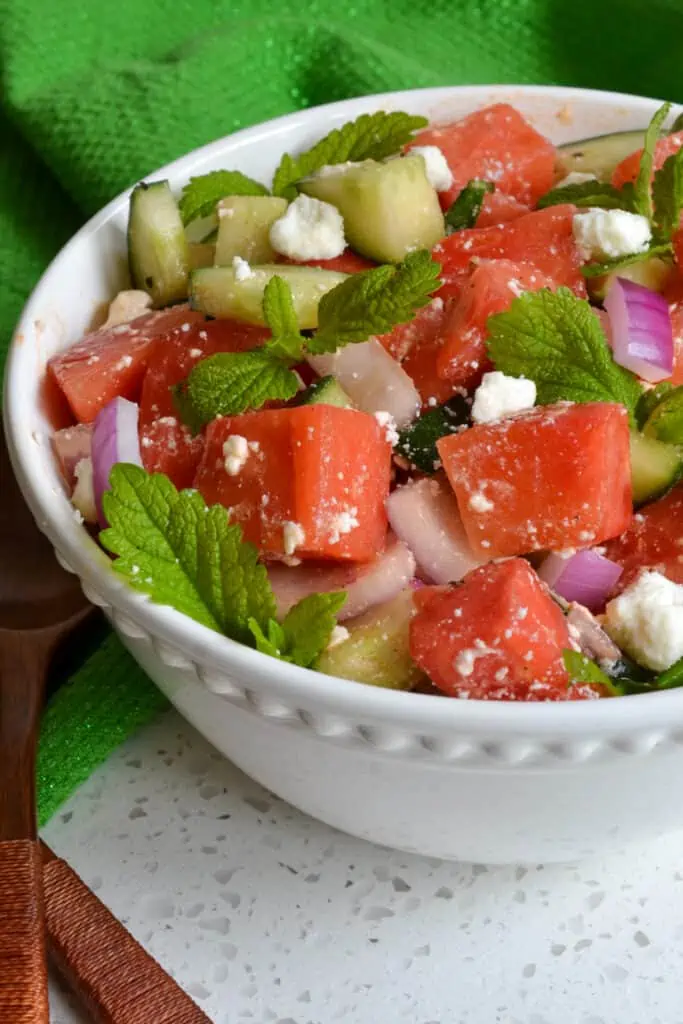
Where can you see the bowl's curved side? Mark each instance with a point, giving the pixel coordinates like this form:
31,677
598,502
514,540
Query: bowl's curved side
89,269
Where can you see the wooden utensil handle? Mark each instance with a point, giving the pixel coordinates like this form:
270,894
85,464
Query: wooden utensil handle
23,977
117,981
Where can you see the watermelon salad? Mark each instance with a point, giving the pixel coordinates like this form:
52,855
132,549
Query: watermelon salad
412,415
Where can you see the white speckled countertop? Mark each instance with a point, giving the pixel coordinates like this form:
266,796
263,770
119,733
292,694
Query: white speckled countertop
267,917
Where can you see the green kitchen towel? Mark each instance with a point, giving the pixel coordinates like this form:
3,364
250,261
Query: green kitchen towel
95,96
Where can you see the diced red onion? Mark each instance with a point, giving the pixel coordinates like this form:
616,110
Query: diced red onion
114,439
71,445
365,586
372,379
641,334
585,577
424,514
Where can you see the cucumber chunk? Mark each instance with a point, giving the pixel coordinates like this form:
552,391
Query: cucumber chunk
218,291
201,254
600,154
388,209
377,651
157,247
655,467
326,391
244,224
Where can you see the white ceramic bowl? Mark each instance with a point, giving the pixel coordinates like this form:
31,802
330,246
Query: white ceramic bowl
456,779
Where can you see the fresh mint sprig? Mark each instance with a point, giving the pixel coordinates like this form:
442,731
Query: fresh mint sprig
465,209
590,194
201,194
172,547
369,137
555,339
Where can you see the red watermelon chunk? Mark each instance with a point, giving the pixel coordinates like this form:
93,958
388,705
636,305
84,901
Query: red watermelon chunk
498,145
492,287
499,208
497,635
654,540
167,445
627,170
416,346
321,469
556,477
543,238
111,362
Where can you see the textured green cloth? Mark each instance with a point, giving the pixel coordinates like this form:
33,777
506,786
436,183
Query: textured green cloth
95,96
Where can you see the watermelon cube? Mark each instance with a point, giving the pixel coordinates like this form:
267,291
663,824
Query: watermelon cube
555,477
311,484
498,145
498,635
654,540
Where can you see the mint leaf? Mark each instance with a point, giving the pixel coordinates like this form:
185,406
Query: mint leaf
229,383
667,195
465,209
665,420
582,670
200,195
374,301
417,443
555,339
279,314
609,266
172,547
671,678
649,400
369,137
589,194
642,189
305,631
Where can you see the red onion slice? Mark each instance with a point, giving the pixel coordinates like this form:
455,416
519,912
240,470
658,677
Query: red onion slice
640,330
114,439
585,577
365,586
372,379
424,514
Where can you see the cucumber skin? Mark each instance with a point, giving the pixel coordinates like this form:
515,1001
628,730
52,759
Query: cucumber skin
600,154
217,292
326,391
173,278
655,467
389,209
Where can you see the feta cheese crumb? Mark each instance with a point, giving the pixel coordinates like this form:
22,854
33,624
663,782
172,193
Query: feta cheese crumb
83,496
126,306
436,167
609,234
480,503
343,523
235,454
647,621
499,395
242,269
575,178
293,536
309,230
338,635
388,424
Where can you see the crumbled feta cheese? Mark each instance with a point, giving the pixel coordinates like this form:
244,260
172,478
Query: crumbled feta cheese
464,660
126,306
647,621
293,536
575,178
609,234
309,230
499,395
338,635
480,503
196,353
235,454
388,424
436,167
83,496
242,269
343,523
